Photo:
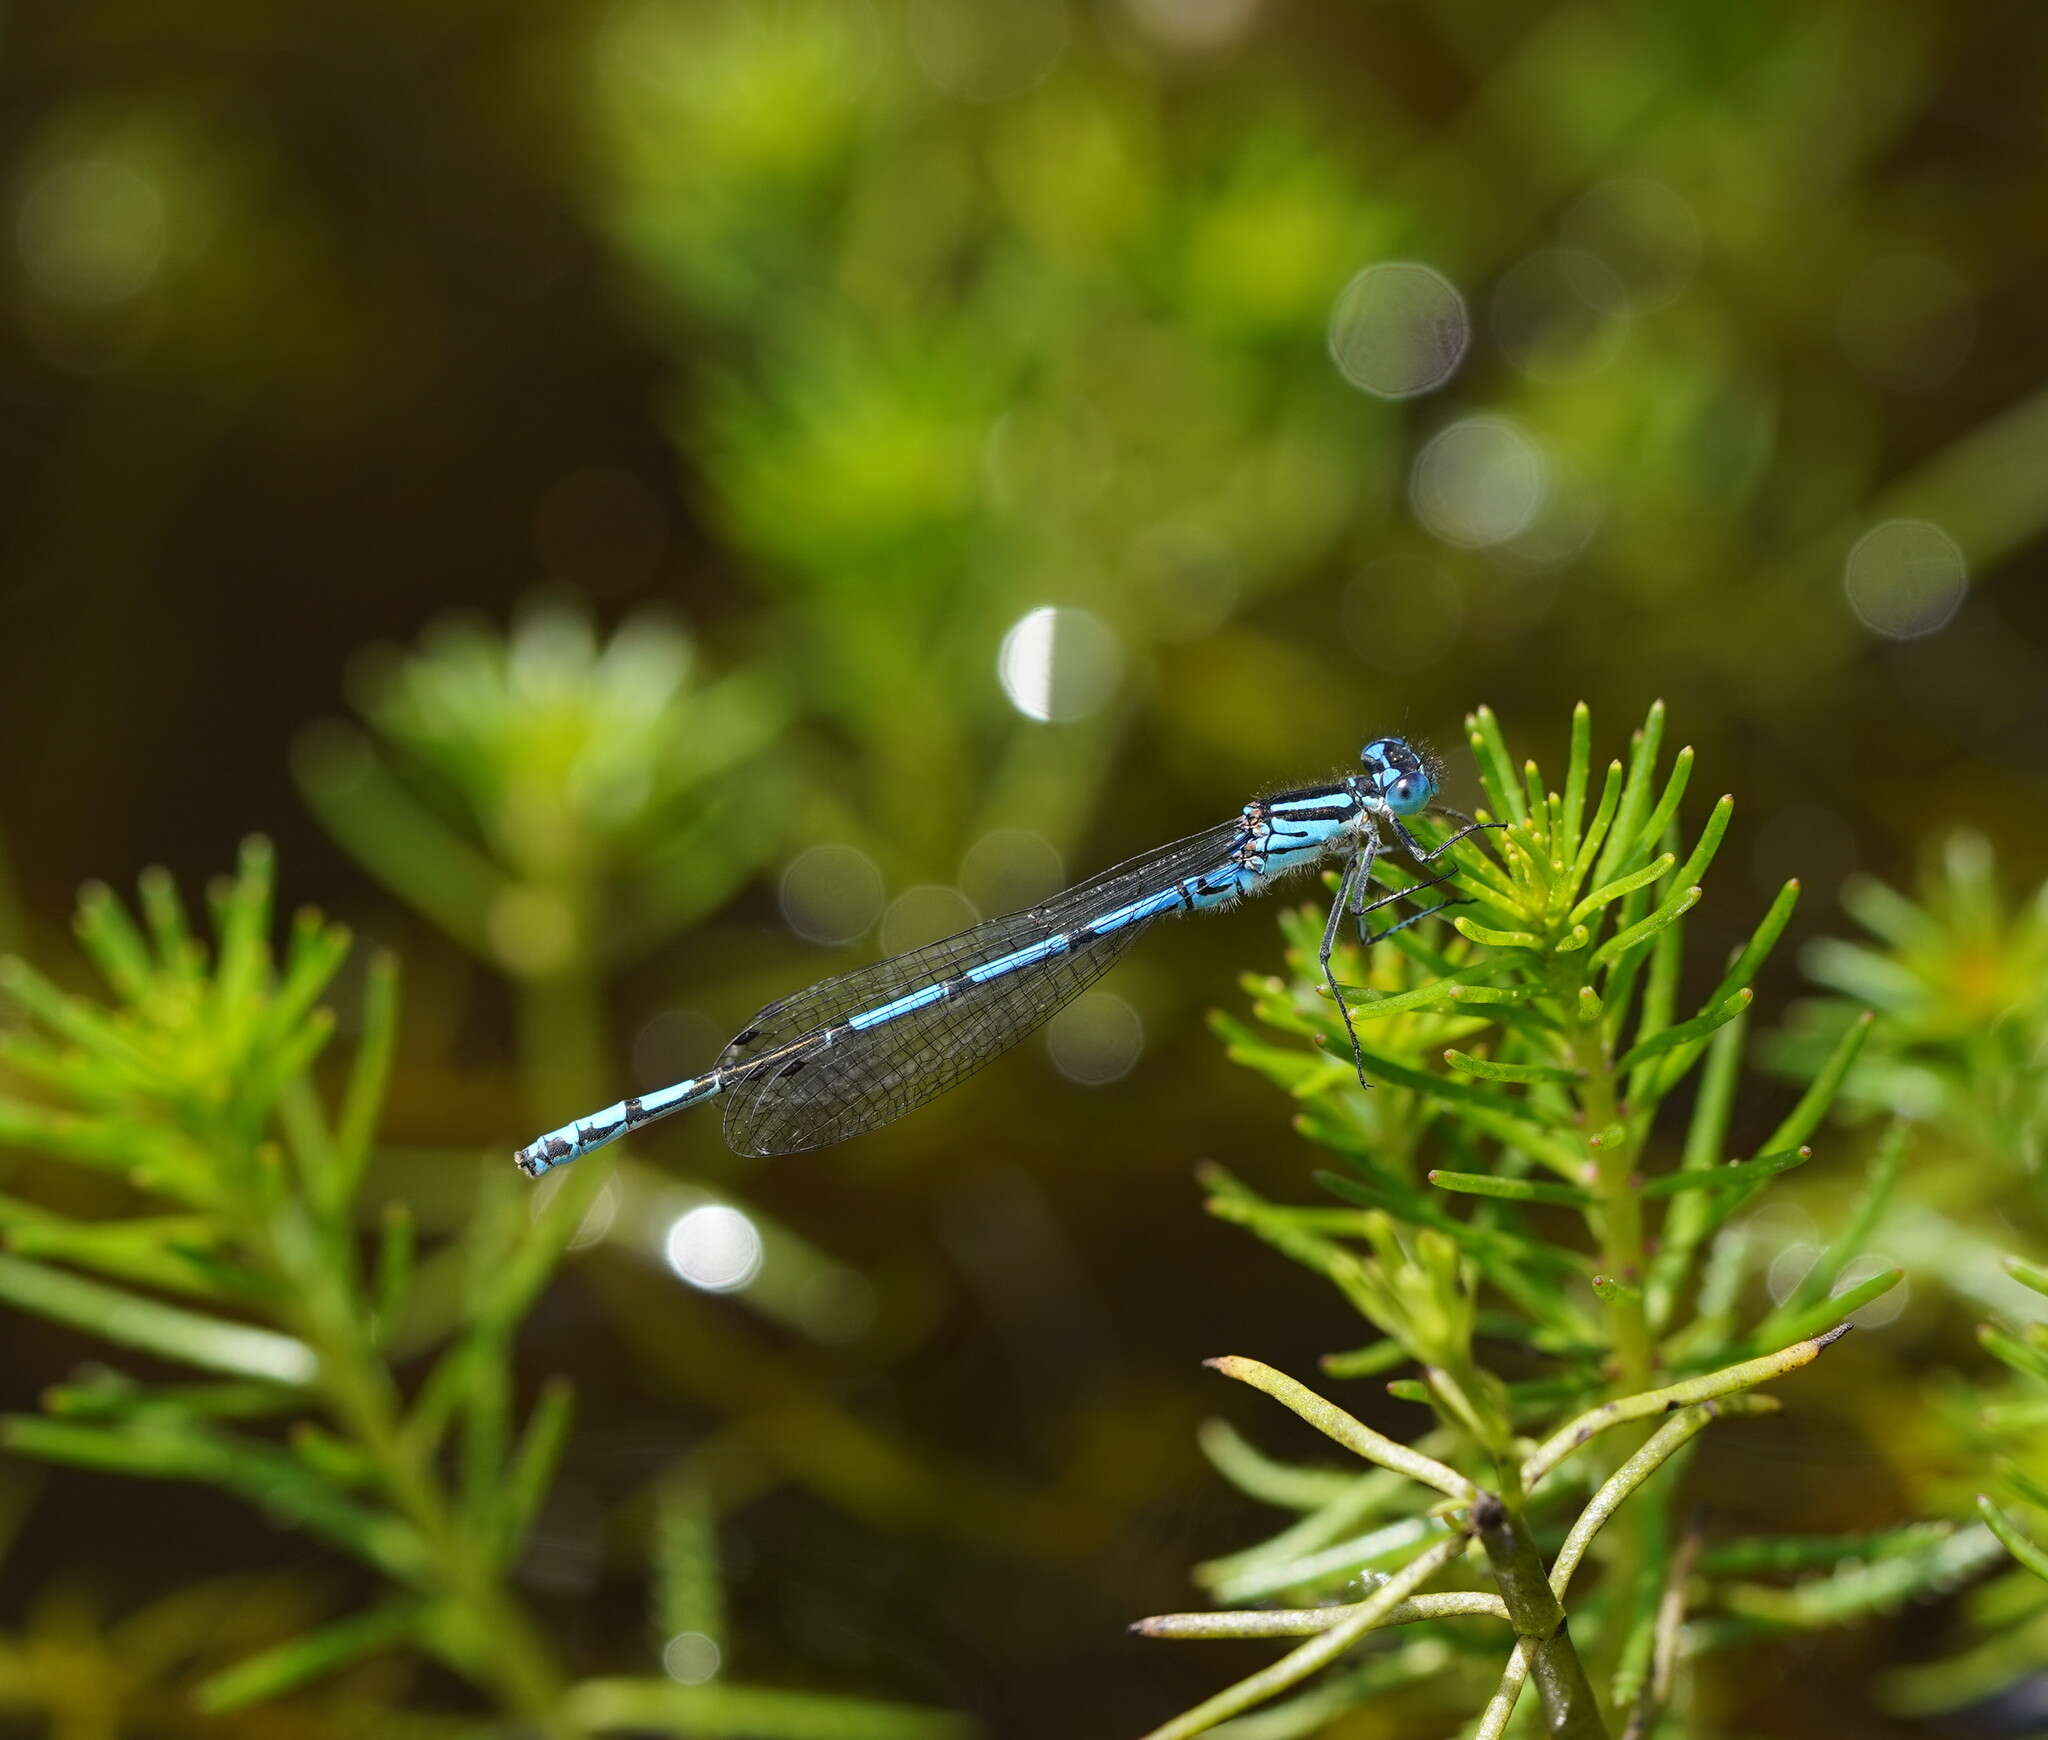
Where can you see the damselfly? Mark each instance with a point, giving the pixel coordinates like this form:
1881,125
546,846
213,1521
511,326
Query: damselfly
857,1051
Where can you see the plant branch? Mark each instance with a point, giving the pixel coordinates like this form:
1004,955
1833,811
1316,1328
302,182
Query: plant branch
1333,1422
1570,1710
1308,1621
1656,1698
1727,1381
1318,1652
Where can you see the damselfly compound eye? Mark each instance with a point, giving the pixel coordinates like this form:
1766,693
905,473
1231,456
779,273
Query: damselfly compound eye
1410,793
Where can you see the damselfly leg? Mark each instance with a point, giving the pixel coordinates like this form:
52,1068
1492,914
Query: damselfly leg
1355,877
1352,887
1415,850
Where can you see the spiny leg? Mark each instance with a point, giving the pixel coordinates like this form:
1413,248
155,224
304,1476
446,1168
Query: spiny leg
1415,917
1360,906
1420,855
1356,870
1414,847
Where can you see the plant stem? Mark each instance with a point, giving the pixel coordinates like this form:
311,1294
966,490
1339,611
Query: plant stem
1620,1211
507,1652
561,1039
1570,1710
498,1645
1620,1220
1656,1696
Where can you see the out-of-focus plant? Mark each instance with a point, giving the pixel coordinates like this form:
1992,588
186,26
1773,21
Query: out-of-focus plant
1594,1279
972,309
560,804
78,1671
2000,1428
1959,973
236,1251
942,363
563,804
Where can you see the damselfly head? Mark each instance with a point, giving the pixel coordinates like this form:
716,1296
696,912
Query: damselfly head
1400,774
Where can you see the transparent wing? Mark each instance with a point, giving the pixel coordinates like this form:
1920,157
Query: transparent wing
864,1078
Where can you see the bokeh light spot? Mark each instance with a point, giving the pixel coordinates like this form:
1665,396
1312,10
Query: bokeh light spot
1888,1304
923,915
1905,578
1059,665
91,232
831,894
1789,1267
1398,329
1562,528
1096,1039
1008,869
690,1658
985,50
1480,481
1193,24
674,1044
714,1247
1559,313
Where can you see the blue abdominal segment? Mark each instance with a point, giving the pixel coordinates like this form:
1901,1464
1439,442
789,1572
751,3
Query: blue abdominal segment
856,1051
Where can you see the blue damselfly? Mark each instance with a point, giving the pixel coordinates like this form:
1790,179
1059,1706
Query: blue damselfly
861,1049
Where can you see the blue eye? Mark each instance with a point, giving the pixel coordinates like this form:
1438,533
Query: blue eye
1409,793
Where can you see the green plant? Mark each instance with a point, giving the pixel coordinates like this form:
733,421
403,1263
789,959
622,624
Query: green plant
562,803
1538,1239
1994,1440
1958,971
557,802
939,363
226,1236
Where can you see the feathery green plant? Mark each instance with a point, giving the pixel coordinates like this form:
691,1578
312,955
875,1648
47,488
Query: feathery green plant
1995,1433
1958,971
563,803
549,799
1551,1242
939,363
193,1088
2014,1427
228,1241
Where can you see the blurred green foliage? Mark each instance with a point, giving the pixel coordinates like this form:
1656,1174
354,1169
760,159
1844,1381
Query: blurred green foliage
1954,971
1957,971
547,798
